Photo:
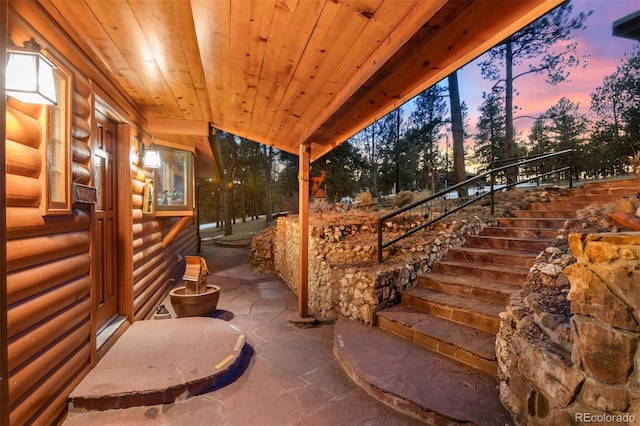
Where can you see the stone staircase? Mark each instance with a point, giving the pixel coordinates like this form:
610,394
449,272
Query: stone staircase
455,309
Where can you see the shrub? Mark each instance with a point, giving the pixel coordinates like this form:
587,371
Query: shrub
402,198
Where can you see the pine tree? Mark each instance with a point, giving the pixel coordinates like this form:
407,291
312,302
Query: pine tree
536,41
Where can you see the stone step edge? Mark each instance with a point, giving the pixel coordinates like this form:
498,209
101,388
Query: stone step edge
456,351
485,266
232,370
528,219
505,290
517,239
390,399
397,400
521,228
498,242
496,251
454,308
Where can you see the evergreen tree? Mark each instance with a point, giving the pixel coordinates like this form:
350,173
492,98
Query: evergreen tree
566,128
342,165
616,104
425,124
491,130
540,144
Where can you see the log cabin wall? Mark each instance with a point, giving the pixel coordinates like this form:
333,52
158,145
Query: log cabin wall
155,268
48,280
50,336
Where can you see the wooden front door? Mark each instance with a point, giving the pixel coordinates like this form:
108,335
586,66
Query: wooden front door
105,249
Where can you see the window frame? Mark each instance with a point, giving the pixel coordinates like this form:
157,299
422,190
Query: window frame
49,205
187,208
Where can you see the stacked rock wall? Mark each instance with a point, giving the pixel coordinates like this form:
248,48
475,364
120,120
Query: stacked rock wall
577,363
344,277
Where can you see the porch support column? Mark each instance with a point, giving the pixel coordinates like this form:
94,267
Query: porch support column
302,317
303,216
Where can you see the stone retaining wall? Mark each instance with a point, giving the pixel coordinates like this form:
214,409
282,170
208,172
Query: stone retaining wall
577,363
344,277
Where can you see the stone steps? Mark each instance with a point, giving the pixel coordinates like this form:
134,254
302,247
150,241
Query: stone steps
524,258
562,214
508,243
532,222
501,231
596,199
465,344
616,184
433,387
483,271
454,310
604,191
565,205
469,286
461,309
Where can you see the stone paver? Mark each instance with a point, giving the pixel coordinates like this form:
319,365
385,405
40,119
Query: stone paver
292,376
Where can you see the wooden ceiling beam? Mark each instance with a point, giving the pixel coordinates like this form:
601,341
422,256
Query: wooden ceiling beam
420,13
438,55
177,126
292,22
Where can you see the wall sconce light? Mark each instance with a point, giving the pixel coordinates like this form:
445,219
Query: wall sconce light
29,74
152,158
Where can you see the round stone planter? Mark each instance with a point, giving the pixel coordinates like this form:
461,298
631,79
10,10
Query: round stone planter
195,305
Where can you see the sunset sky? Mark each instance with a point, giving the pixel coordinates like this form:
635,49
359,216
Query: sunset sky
535,96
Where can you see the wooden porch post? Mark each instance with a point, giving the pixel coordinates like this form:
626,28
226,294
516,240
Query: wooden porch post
303,215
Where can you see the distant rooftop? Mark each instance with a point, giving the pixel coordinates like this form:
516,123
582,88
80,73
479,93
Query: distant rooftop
628,26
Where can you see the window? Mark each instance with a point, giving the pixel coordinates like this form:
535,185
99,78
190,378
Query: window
174,182
56,148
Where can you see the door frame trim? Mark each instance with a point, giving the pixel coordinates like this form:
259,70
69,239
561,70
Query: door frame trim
124,218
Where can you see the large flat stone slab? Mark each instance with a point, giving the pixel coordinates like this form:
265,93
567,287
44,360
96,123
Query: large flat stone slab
417,381
160,361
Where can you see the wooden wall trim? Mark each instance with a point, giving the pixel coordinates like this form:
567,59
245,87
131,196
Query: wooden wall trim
125,223
175,230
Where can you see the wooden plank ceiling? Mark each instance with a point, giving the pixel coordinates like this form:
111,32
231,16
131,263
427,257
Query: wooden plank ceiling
282,72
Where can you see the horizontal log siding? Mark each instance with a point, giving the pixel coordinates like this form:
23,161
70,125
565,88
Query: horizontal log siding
35,347
61,378
48,272
23,160
24,135
81,132
154,268
49,307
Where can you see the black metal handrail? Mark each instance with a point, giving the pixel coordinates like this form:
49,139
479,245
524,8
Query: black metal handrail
442,194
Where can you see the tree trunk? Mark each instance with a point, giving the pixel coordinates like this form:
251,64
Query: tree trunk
397,149
457,131
243,202
374,163
509,143
228,210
